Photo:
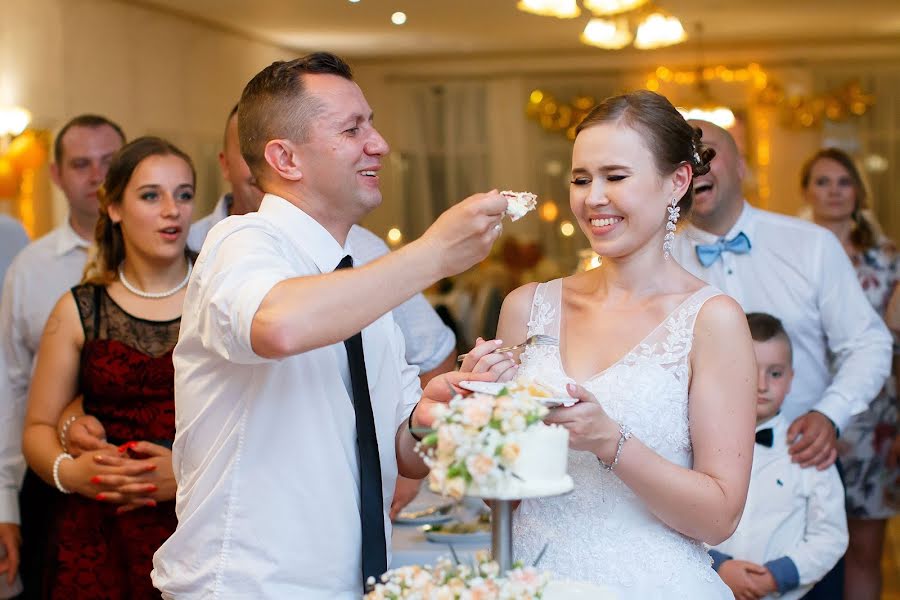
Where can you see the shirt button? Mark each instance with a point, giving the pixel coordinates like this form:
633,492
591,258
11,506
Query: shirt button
730,272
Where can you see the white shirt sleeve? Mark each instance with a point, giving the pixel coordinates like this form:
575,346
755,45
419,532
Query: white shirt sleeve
409,380
15,375
825,540
233,281
856,334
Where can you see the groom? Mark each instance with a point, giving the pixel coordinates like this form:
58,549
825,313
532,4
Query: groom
291,426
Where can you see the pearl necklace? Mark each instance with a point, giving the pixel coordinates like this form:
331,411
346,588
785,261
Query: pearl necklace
154,295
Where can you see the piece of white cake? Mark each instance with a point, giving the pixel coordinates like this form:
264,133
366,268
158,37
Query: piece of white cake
519,204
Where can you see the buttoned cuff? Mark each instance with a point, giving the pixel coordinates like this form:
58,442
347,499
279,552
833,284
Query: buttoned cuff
9,506
785,573
718,558
835,408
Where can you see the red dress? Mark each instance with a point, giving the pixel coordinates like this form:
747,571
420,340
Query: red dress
127,380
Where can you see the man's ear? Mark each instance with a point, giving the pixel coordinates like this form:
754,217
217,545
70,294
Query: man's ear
223,166
54,173
284,159
681,180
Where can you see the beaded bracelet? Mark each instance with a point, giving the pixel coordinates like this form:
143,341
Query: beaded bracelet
65,431
624,436
62,456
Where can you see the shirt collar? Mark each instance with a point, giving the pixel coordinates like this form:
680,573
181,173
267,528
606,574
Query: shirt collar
67,240
745,222
305,232
778,426
223,207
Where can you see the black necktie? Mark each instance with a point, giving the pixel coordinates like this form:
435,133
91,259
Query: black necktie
764,437
371,513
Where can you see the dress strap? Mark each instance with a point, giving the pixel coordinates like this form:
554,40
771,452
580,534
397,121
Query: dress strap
546,309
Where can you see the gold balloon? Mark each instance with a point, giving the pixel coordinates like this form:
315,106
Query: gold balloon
27,151
9,179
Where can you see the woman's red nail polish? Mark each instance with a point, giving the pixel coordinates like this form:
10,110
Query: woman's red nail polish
95,479
100,496
151,503
127,446
152,488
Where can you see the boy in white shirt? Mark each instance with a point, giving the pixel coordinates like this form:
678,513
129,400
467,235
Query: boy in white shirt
794,527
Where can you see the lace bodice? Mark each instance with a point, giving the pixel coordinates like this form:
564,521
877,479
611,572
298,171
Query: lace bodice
602,532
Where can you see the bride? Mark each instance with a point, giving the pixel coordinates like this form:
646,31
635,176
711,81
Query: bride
661,442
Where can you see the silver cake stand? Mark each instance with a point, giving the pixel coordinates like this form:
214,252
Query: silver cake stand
501,518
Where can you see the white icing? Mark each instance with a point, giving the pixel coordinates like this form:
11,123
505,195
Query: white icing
518,204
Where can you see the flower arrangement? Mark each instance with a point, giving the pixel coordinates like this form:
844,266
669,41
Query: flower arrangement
451,581
475,439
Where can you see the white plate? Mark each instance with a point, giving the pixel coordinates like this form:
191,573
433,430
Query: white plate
440,537
493,388
441,515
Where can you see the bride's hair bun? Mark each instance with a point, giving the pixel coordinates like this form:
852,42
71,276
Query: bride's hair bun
701,154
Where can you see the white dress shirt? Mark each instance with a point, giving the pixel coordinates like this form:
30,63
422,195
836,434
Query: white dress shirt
37,278
428,340
265,450
12,239
799,273
792,516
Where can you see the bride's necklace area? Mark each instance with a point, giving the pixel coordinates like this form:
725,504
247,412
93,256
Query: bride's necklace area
154,295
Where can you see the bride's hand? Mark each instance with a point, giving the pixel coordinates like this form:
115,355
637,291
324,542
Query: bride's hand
441,390
590,428
482,359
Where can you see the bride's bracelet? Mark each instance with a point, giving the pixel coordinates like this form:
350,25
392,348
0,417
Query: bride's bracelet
624,436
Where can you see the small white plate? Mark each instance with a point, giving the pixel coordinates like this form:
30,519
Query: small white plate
441,514
440,537
493,388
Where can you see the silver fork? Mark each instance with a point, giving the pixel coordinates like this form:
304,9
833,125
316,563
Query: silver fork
534,340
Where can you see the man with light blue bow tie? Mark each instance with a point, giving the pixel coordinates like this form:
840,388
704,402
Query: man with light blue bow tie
798,272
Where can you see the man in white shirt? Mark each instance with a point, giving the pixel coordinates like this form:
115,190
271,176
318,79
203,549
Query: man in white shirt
794,527
430,344
288,440
799,273
12,239
35,280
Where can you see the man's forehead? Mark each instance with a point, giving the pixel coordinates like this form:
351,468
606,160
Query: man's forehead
338,98
82,139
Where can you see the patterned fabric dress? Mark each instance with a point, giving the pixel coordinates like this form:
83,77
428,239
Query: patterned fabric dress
602,532
127,380
872,491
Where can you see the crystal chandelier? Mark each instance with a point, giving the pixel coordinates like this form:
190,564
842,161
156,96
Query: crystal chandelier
616,23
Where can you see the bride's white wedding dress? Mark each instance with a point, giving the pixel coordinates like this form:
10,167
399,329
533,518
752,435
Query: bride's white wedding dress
602,532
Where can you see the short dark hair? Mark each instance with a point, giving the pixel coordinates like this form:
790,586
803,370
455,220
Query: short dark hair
666,134
86,120
274,103
765,327
231,115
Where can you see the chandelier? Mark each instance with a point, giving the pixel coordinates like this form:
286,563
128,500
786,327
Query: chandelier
615,23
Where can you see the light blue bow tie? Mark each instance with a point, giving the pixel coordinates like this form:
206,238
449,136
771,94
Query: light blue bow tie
709,253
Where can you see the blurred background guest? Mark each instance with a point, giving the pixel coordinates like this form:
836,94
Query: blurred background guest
834,189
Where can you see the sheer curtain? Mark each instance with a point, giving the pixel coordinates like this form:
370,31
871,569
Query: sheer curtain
443,152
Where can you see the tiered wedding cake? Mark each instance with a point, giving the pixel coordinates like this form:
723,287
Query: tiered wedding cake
493,447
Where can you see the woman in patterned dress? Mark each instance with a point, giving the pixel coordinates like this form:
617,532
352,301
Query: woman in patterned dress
833,187
110,340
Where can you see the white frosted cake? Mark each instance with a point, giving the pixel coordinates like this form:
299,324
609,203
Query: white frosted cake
519,204
497,447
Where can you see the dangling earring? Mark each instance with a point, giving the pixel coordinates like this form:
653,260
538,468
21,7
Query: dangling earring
674,212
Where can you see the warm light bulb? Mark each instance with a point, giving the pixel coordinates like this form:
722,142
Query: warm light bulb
567,229
394,236
561,9
658,30
606,8
548,211
607,33
718,115
13,120
398,18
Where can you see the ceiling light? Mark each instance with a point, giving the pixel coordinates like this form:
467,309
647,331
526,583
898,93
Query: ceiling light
607,8
658,30
718,115
398,18
607,33
561,9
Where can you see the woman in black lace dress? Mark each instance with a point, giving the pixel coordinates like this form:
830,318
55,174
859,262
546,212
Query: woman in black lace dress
111,340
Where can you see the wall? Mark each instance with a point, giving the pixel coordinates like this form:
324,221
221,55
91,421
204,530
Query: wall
151,72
